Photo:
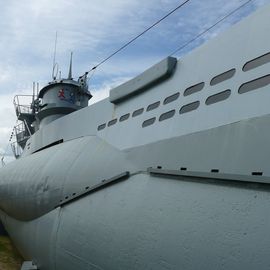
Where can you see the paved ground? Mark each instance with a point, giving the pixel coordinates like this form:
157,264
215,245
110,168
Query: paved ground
9,257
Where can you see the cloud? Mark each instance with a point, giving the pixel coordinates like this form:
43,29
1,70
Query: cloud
205,14
102,91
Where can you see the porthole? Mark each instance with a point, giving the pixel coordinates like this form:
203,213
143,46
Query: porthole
223,77
153,106
137,112
254,84
218,97
194,89
189,107
257,62
171,98
166,115
124,117
149,122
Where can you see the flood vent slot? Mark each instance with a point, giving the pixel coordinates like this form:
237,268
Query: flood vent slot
167,115
257,62
124,117
183,168
254,84
194,89
171,98
100,127
218,97
223,77
137,112
153,106
257,173
112,122
149,122
159,167
190,107
215,170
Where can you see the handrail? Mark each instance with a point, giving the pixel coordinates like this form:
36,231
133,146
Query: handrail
26,125
23,108
22,134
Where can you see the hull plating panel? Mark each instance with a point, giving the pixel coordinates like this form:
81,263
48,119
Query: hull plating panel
150,222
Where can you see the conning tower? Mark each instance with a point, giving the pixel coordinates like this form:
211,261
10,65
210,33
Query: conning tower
61,97
58,98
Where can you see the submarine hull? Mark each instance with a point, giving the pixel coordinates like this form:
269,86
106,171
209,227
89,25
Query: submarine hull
170,172
154,215
152,222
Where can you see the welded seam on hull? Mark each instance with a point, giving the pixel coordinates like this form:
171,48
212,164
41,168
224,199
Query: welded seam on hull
201,176
101,185
213,175
91,265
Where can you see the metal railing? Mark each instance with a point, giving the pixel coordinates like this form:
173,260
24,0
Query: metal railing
16,149
22,134
23,104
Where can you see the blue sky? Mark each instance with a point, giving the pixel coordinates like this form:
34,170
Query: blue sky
92,30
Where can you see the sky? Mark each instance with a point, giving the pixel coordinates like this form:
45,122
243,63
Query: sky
92,30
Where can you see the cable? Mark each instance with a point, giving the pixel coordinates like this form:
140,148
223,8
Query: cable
208,29
139,35
157,22
90,77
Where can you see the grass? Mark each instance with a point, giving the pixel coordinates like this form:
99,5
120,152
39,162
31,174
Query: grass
10,259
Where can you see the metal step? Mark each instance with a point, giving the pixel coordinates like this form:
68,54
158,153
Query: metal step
28,265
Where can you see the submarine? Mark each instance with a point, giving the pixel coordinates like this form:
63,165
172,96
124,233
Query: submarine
169,172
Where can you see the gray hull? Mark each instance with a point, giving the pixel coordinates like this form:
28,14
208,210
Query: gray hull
156,218
181,184
153,223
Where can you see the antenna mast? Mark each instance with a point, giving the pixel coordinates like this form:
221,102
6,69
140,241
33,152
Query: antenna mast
54,56
70,67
